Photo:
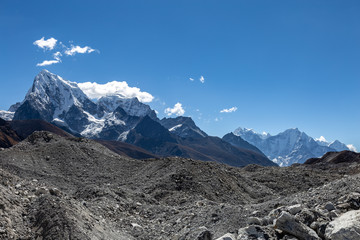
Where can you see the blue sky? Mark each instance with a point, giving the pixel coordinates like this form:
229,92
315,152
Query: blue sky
282,64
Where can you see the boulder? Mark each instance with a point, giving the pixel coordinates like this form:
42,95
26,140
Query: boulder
329,206
287,223
347,226
228,236
254,221
252,232
294,209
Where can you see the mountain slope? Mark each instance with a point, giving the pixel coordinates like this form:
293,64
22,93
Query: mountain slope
237,141
152,136
8,136
288,147
24,128
183,127
63,103
335,158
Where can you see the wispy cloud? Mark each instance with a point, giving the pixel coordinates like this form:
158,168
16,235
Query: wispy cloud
47,62
77,49
202,79
177,110
48,44
191,79
57,56
95,90
229,110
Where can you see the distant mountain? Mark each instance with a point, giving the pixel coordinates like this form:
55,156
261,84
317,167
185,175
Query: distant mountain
63,103
237,141
290,146
152,136
116,118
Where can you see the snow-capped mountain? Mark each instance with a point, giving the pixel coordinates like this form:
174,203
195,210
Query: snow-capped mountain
290,146
337,145
63,103
132,106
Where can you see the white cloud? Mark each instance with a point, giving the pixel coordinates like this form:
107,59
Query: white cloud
77,49
191,79
177,110
216,119
48,44
57,56
352,147
229,110
95,90
47,62
202,79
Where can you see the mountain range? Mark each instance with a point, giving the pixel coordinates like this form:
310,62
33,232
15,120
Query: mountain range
291,146
115,119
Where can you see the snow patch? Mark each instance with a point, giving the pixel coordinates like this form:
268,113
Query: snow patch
6,115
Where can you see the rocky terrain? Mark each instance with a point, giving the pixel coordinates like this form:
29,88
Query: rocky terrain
56,187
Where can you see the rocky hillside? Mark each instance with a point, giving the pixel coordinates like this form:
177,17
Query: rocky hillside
8,136
73,188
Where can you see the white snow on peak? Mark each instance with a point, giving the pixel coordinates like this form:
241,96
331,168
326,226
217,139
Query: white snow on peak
290,146
175,127
352,147
131,106
6,115
321,139
250,132
49,88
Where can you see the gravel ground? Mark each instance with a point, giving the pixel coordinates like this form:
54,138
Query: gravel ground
72,188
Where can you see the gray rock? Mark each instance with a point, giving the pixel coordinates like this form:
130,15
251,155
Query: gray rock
228,236
254,221
347,226
294,209
329,206
306,216
287,223
205,235
332,215
252,232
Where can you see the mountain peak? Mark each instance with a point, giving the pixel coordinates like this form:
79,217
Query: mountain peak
183,127
290,146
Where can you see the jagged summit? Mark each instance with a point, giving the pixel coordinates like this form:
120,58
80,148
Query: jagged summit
290,146
63,103
131,106
183,127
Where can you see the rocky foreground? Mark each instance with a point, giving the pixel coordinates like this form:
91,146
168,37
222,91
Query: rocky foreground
72,188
